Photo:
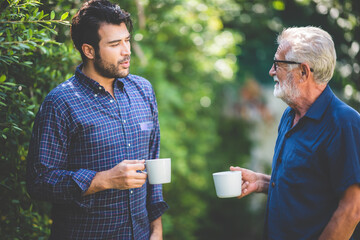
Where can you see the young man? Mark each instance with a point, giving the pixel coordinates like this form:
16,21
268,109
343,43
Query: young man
90,134
314,189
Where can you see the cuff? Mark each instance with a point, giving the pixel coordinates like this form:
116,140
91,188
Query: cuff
83,180
156,210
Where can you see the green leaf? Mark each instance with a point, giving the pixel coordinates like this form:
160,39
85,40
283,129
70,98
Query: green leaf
5,88
24,46
10,84
28,63
41,15
30,33
43,49
16,128
64,16
31,113
52,15
31,107
35,11
2,78
8,35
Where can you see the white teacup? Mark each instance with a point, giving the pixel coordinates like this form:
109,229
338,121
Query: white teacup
158,170
228,184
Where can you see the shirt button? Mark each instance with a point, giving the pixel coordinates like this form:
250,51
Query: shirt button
100,88
111,101
129,144
131,191
95,95
273,184
124,121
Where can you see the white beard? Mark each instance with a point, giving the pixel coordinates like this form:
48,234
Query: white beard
278,90
287,91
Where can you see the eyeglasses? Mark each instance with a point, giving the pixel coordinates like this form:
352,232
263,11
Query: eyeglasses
287,62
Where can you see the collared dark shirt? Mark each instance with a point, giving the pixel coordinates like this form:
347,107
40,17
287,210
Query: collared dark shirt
81,129
314,163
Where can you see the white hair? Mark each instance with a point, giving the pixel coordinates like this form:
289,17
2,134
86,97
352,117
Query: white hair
313,46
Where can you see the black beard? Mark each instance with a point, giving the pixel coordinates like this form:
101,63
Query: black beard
110,70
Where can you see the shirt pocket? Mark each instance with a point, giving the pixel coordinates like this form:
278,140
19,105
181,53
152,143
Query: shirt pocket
298,167
144,130
146,126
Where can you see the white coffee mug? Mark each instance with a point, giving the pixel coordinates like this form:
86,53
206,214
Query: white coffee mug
158,170
228,184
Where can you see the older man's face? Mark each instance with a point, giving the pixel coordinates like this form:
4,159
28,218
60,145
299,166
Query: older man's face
285,85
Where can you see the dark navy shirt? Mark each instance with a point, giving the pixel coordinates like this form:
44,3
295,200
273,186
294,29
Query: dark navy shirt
81,129
314,163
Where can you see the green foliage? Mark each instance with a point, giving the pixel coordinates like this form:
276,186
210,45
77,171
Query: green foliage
27,42
179,50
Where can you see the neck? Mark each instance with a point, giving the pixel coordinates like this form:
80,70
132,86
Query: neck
308,95
89,70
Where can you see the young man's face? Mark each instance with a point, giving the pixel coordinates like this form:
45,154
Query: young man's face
112,60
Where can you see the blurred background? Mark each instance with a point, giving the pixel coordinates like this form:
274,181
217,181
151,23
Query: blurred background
208,61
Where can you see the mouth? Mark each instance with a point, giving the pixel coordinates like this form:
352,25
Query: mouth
125,64
276,80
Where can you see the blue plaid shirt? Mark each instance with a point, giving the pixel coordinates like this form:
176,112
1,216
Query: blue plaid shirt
80,130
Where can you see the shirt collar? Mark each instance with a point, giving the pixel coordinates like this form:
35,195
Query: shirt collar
91,83
318,108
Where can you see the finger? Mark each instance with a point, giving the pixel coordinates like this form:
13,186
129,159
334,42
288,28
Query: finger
138,174
138,183
235,168
244,193
141,175
245,185
135,166
134,161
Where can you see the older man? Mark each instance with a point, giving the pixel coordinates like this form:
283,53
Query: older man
314,188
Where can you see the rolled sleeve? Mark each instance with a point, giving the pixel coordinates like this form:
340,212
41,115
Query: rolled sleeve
83,179
47,174
156,210
156,204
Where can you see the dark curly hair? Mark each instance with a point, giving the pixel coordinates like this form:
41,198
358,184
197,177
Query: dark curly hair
86,22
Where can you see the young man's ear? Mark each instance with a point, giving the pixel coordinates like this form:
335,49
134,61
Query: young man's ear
88,51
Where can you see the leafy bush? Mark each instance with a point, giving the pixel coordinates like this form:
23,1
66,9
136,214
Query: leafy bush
30,68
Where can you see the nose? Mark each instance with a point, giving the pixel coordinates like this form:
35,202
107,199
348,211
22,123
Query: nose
272,71
126,48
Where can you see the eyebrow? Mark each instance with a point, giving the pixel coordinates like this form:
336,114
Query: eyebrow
118,40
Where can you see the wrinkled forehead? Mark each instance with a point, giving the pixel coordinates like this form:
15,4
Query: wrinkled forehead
282,50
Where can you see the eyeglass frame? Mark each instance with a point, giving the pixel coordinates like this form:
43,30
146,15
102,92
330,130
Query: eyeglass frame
287,62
